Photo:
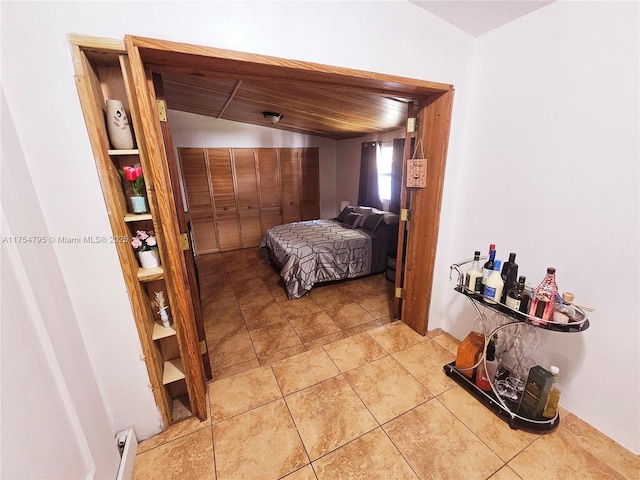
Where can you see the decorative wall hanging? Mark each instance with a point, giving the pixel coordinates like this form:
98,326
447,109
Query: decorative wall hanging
417,168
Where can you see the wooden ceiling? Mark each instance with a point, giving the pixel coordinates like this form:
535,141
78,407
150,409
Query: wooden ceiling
313,109
313,99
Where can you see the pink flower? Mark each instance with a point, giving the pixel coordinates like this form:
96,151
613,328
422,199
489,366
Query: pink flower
151,241
142,235
136,243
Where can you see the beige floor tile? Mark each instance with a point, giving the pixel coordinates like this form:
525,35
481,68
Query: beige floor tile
364,327
315,325
222,307
222,329
329,415
359,290
268,313
349,315
448,342
272,338
371,456
437,445
261,443
354,351
396,336
319,342
177,430
329,298
230,351
505,473
379,306
235,369
282,354
490,428
237,394
561,455
386,388
601,446
254,298
425,361
304,370
300,307
191,457
305,473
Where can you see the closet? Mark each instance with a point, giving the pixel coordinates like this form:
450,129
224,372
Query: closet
235,194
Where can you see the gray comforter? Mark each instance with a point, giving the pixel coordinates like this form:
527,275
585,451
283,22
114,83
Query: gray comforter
316,251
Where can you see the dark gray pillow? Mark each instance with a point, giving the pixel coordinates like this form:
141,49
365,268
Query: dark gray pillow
352,220
372,221
342,216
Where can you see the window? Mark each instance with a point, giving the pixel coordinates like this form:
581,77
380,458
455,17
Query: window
384,161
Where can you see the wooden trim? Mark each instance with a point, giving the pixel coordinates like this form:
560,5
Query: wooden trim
422,237
201,58
149,136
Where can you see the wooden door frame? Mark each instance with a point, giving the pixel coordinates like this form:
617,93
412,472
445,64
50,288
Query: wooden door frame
434,120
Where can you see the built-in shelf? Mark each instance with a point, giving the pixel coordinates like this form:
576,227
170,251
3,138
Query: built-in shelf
133,151
137,217
159,331
150,274
173,371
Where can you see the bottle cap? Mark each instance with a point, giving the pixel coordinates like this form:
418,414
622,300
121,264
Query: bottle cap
522,279
497,264
567,297
512,257
491,352
555,370
551,270
492,246
476,253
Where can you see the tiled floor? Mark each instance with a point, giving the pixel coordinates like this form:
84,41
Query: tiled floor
350,396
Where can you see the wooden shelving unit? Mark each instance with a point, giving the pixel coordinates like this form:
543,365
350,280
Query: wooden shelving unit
173,360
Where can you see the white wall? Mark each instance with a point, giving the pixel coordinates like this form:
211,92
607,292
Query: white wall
190,130
551,173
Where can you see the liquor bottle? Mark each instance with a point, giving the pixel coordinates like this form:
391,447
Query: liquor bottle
509,275
493,287
468,351
551,407
565,311
487,268
484,376
544,298
473,276
518,298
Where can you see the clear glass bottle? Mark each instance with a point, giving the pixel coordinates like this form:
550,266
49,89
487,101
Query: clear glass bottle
494,285
544,299
509,275
484,376
553,399
473,276
565,311
487,268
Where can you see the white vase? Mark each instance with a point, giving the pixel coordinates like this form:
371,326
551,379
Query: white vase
118,126
149,258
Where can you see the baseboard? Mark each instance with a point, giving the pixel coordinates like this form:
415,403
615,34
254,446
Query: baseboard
125,472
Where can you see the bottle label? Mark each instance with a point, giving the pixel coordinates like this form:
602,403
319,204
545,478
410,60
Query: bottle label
513,303
478,285
490,292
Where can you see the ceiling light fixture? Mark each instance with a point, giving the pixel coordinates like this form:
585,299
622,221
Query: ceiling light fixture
273,117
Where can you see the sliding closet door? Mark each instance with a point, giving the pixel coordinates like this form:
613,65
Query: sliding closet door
269,188
244,168
195,175
226,211
310,191
290,178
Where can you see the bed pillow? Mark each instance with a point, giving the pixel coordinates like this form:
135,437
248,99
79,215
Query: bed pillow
365,212
352,220
372,221
342,216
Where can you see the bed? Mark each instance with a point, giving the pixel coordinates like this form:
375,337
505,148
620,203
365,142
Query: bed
354,244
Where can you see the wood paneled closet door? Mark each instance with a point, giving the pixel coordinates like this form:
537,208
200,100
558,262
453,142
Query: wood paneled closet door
224,197
290,178
244,168
195,175
269,188
310,188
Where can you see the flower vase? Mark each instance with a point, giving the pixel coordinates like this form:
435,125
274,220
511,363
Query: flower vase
118,126
149,258
138,204
164,316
